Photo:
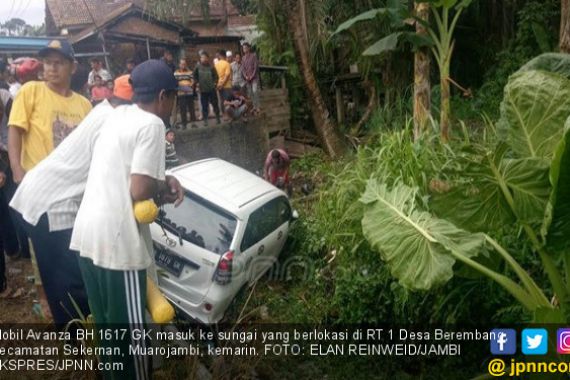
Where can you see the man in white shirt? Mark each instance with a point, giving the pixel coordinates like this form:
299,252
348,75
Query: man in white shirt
48,199
97,70
115,251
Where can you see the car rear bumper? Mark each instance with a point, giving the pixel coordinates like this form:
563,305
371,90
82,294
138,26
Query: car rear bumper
200,311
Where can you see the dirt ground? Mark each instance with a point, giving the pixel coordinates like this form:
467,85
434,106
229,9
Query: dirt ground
19,309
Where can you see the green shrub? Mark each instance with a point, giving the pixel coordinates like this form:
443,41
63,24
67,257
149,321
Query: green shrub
536,32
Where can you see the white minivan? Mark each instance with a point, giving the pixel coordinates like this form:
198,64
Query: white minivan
228,232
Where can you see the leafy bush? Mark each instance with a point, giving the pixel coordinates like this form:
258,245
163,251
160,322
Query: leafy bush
497,184
536,31
494,184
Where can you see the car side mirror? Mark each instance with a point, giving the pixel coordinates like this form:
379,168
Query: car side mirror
294,215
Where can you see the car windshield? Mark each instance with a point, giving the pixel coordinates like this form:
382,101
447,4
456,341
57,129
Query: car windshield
200,223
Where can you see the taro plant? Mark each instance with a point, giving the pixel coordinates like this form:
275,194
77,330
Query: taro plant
522,180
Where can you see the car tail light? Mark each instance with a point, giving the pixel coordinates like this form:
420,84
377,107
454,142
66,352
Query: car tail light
208,307
223,274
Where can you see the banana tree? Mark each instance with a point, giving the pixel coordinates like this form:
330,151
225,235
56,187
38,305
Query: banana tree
446,15
524,181
442,49
565,26
422,63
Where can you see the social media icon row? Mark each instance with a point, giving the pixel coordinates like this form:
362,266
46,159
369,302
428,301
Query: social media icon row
533,341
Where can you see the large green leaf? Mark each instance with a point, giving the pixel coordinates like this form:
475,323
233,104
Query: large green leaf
552,62
535,107
386,44
527,180
478,202
475,204
391,42
415,245
448,3
557,221
416,40
366,16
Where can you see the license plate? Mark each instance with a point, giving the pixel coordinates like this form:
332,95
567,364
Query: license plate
170,263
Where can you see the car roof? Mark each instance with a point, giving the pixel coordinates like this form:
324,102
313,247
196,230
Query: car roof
224,184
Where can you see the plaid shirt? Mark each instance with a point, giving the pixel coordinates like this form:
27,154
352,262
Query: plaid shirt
250,66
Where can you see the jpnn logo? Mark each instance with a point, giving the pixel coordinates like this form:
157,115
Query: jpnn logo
504,342
534,341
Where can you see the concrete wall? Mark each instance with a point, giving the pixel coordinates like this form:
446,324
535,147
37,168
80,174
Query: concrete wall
242,143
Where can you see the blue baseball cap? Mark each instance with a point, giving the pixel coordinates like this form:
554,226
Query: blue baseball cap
62,47
151,77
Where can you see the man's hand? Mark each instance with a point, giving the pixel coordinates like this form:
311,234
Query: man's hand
2,179
174,193
18,174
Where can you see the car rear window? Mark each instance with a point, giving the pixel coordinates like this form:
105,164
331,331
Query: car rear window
199,222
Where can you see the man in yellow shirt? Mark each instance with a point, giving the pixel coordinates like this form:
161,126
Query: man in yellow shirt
44,113
224,70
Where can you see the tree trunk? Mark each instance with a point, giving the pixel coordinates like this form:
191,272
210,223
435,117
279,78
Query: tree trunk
303,9
565,27
372,104
445,106
326,127
388,81
422,88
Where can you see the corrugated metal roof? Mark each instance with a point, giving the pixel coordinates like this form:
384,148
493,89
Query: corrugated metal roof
27,44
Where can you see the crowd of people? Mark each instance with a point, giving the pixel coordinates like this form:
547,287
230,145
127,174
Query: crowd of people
71,194
228,85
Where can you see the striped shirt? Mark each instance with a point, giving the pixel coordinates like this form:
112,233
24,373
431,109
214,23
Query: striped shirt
185,81
171,156
55,186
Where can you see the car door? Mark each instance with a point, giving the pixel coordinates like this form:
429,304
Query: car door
264,236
